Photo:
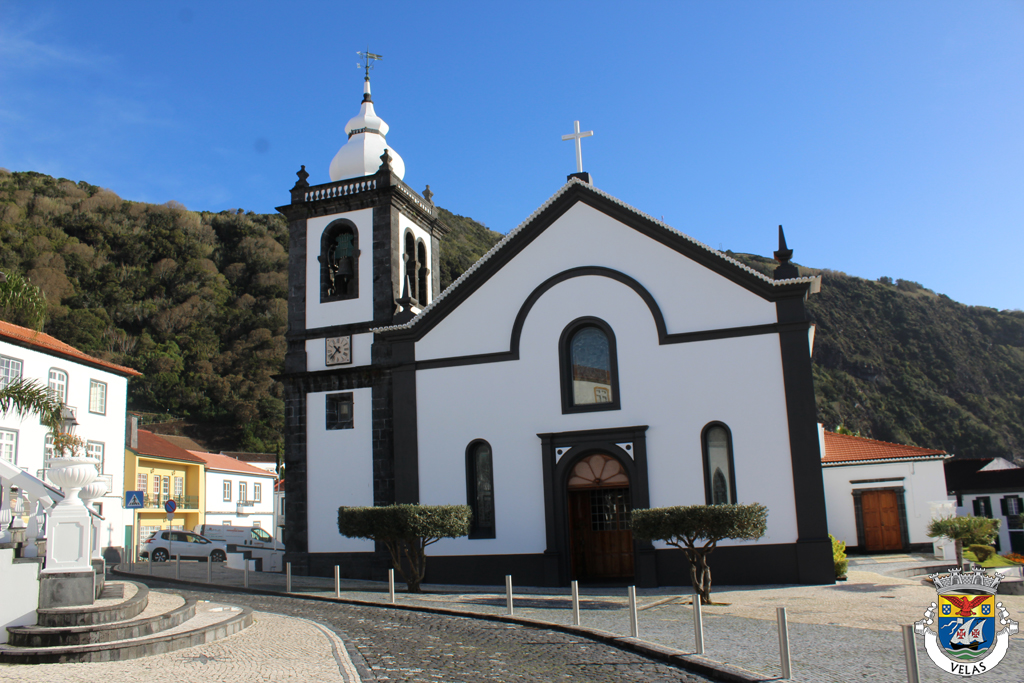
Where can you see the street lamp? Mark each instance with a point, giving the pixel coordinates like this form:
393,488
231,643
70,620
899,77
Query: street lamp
69,421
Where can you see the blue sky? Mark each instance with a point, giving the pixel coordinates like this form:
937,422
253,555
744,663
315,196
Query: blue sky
887,137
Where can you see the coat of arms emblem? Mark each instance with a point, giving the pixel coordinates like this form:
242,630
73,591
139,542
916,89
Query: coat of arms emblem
972,629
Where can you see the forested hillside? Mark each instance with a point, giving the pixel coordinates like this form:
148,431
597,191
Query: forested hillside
196,301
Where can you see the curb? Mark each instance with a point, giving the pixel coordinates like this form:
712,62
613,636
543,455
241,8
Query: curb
718,671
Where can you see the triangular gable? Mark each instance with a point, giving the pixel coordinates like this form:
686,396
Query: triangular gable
573,192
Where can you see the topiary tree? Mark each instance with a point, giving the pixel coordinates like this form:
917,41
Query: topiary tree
406,531
685,526
970,530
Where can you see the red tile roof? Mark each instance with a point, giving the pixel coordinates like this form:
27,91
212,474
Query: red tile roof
47,344
225,463
156,446
279,485
842,448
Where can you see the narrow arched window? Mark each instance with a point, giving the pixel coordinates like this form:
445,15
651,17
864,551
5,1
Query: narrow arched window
339,262
719,475
480,489
411,266
421,289
589,367
58,385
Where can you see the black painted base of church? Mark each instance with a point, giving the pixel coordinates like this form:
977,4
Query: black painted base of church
791,563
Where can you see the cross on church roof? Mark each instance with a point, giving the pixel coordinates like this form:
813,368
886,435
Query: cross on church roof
577,136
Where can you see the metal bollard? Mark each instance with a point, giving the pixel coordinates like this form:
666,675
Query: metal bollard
634,624
780,614
287,577
245,572
209,570
698,624
177,566
575,604
508,594
337,581
391,585
910,654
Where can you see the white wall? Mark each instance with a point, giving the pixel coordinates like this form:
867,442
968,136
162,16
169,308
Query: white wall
348,310
691,296
20,592
675,389
339,463
107,429
997,513
924,482
219,511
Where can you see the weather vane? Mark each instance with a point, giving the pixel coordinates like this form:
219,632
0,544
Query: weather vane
368,59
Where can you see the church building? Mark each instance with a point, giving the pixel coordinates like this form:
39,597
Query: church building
594,361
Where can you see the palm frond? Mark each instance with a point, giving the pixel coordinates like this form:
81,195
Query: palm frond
24,396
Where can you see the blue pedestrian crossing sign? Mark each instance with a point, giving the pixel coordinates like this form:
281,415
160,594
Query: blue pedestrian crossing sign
133,499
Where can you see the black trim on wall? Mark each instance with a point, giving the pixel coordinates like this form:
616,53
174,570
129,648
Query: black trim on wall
813,542
556,469
583,193
664,337
566,367
707,468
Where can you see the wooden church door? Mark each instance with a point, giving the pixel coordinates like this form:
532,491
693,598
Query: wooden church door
881,521
599,503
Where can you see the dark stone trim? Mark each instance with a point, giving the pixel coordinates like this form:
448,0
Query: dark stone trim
805,449
901,507
876,481
659,321
583,193
556,476
707,468
565,367
331,331
475,530
403,426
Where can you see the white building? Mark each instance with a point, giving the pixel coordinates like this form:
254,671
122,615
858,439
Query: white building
994,488
594,361
237,494
881,495
95,390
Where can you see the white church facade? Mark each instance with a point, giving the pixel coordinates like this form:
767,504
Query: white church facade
593,362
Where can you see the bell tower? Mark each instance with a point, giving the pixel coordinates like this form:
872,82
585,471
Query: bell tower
363,253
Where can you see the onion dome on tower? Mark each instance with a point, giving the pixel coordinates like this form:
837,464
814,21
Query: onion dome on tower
360,156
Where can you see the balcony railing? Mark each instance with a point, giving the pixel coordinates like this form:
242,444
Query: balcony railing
158,501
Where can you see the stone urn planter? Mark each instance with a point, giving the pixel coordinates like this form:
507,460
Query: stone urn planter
71,475
97,489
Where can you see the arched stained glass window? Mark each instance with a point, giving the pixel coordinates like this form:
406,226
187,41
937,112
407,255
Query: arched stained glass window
719,477
480,489
589,368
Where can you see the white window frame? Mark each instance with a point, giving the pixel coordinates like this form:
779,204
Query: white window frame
57,387
242,492
94,447
48,445
9,444
257,493
10,369
142,482
227,490
97,395
179,491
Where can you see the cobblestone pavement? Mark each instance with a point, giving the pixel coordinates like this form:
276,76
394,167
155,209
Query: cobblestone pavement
274,648
401,645
845,632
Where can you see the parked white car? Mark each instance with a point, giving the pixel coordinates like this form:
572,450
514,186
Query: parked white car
163,545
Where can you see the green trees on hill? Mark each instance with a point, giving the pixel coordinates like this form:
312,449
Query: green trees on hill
197,302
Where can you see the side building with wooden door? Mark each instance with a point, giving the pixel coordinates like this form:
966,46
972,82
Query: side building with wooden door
881,496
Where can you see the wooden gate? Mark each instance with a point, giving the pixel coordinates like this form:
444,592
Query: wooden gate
881,518
599,504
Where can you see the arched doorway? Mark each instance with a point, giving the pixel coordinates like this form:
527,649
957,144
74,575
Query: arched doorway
600,540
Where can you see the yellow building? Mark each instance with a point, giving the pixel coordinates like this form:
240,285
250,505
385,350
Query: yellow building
163,471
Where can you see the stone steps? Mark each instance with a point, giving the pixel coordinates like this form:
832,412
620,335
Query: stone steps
170,623
110,607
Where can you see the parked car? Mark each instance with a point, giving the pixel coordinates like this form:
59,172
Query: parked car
163,545
247,536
